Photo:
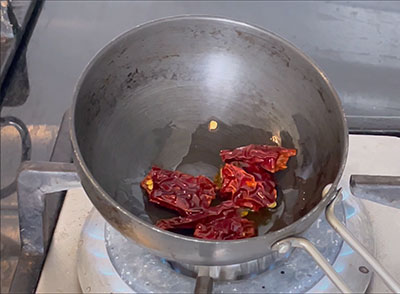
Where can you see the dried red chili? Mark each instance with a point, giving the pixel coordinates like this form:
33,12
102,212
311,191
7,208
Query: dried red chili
245,182
270,158
226,229
181,192
258,173
244,190
233,179
221,222
266,180
225,209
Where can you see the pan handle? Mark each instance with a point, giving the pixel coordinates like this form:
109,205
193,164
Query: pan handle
357,246
284,245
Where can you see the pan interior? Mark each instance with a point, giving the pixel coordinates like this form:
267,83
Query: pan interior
149,97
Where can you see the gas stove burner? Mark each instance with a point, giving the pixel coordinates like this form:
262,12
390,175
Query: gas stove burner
232,272
110,262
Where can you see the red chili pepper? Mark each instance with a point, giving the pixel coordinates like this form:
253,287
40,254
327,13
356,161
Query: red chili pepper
266,180
221,222
233,179
225,209
244,190
181,192
258,173
270,158
226,229
244,181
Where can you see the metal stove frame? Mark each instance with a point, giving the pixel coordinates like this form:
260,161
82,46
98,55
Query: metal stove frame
37,180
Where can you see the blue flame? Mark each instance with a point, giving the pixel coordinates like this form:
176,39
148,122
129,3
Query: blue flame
339,267
324,285
164,261
350,212
346,250
106,272
271,267
98,253
95,236
345,195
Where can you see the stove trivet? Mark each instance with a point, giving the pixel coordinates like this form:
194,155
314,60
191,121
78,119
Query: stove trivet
108,262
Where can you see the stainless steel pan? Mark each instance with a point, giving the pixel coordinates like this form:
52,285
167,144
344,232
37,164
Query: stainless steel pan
147,98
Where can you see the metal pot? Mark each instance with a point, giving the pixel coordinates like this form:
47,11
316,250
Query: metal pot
148,96
147,99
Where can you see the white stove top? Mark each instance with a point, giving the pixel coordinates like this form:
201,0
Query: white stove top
367,155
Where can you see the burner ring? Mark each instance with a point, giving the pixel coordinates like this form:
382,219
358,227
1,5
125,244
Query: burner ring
104,269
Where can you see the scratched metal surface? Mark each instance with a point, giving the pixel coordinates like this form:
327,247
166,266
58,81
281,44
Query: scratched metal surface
356,43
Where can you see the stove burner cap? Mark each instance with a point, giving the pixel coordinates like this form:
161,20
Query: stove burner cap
240,271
